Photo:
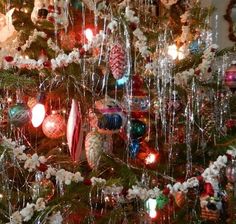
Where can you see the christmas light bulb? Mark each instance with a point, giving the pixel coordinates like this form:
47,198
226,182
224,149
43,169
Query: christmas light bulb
38,114
151,158
173,51
88,34
151,207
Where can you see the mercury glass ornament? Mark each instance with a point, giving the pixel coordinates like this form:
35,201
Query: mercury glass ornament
19,114
230,76
42,187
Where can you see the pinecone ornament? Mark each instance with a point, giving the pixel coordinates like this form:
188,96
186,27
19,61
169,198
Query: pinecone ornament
94,148
117,60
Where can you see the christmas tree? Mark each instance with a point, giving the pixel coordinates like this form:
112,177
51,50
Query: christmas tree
115,112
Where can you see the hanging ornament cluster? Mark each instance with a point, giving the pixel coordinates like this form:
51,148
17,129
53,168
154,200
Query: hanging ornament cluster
230,76
118,60
19,114
54,126
110,116
54,12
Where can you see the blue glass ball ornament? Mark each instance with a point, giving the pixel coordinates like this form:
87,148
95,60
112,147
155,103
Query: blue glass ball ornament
110,122
134,148
19,114
138,129
194,47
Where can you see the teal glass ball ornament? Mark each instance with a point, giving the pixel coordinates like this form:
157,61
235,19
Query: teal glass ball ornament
19,114
138,129
77,4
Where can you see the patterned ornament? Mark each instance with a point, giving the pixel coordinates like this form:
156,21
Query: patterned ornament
230,76
210,208
110,118
117,60
19,114
54,126
94,148
179,198
74,132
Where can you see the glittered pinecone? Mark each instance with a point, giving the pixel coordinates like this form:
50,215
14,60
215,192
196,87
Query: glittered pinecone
94,148
117,60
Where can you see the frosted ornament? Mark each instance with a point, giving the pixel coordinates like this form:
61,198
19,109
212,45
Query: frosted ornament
94,143
55,12
6,27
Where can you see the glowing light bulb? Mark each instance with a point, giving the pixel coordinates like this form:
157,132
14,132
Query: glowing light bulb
151,158
151,207
38,114
173,51
88,34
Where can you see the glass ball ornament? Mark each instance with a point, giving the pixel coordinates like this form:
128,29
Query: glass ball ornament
231,172
42,188
110,122
195,47
138,129
110,117
19,114
138,104
54,126
134,148
137,82
230,77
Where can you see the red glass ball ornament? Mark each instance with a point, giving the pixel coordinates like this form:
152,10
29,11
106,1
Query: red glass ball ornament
230,77
54,126
137,82
9,58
